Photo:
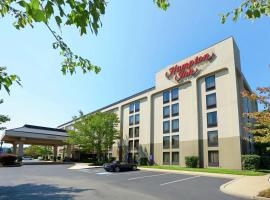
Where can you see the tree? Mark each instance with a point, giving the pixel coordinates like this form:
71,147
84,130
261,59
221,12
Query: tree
260,128
252,9
79,14
36,151
3,118
6,81
95,132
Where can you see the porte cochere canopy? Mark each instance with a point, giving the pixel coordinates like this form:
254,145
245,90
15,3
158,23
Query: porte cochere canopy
39,135
35,135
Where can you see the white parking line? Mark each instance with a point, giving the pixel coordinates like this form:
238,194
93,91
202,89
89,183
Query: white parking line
104,173
140,177
89,171
126,173
180,180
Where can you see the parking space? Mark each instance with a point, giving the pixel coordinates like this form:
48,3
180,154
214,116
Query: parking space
108,185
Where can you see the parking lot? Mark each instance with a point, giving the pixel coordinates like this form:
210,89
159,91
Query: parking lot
58,182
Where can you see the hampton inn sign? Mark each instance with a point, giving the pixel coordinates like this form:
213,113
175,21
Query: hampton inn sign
188,69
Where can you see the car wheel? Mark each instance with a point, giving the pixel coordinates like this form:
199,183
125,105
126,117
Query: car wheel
117,169
134,168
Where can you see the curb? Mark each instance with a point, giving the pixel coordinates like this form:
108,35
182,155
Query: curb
260,198
47,163
215,175
222,189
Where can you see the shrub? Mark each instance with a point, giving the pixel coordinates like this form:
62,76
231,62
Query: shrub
144,161
265,193
250,162
89,160
265,162
111,159
191,161
8,159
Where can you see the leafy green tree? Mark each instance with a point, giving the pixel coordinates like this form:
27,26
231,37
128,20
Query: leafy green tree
260,124
79,14
251,9
36,151
6,81
95,132
3,118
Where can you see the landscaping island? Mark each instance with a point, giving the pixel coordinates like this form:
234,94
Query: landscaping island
209,170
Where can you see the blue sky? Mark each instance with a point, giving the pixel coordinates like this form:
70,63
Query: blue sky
136,40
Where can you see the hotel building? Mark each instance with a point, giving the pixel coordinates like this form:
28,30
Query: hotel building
194,109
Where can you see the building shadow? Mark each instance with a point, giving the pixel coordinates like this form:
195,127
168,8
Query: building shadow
31,191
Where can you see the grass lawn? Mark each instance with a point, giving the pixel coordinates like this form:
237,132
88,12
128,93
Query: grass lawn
209,170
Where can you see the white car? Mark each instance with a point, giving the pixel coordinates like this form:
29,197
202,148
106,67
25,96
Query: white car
26,158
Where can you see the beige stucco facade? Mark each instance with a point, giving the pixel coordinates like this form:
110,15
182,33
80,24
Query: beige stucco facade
224,65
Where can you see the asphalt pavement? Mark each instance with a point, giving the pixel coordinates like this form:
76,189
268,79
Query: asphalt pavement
53,182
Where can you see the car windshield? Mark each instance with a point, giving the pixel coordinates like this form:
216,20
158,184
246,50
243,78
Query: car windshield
115,162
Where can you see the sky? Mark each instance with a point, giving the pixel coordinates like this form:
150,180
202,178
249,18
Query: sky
136,40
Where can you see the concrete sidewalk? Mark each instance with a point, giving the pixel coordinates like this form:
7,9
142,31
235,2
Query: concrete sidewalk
247,186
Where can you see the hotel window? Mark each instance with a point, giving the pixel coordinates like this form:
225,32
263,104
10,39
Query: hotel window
210,83
131,108
130,145
137,131
166,142
166,127
130,133
175,109
131,120
213,158
136,144
175,141
137,119
166,158
211,119
174,94
175,125
137,106
212,138
166,97
166,111
175,158
211,101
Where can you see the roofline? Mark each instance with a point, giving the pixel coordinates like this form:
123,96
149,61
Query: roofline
115,103
40,127
11,130
197,52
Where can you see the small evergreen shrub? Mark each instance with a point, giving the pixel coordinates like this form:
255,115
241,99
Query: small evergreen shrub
250,162
111,159
144,161
191,161
265,162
